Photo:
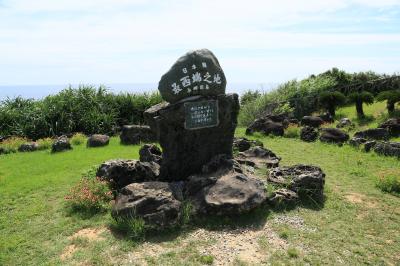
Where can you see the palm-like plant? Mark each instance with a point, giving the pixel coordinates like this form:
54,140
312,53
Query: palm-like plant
391,97
331,100
358,98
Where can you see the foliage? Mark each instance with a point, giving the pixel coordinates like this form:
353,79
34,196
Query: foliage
84,109
389,182
249,96
391,97
12,144
330,100
293,131
358,98
90,193
45,143
78,139
133,227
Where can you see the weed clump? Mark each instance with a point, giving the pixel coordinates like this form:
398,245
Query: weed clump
389,182
78,139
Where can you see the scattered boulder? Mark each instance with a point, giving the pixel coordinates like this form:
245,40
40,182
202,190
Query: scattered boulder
283,196
308,134
134,134
393,126
120,173
221,163
312,121
333,135
356,142
294,121
61,144
326,117
388,149
260,156
344,122
368,145
266,126
230,194
373,133
152,116
154,202
98,140
28,147
302,179
150,153
243,144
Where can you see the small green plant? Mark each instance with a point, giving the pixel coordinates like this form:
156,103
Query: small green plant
293,252
284,233
293,131
78,139
206,259
133,227
389,182
12,144
90,193
45,143
187,210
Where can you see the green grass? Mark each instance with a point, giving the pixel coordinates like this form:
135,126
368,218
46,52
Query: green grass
357,224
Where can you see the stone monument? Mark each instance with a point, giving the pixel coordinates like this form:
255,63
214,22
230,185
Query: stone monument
199,119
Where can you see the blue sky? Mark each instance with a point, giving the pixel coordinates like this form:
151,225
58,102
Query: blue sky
136,41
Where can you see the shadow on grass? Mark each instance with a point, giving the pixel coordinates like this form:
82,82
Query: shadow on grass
363,121
83,213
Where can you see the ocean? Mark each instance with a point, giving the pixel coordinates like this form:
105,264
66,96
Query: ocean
40,91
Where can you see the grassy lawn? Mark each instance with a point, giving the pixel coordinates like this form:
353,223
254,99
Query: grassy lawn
358,224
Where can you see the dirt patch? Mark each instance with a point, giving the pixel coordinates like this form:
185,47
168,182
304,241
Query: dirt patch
68,252
225,245
361,199
92,234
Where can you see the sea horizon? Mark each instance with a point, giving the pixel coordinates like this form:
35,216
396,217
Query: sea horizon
41,91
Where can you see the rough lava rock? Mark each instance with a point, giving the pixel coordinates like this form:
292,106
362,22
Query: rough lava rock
243,144
260,156
134,134
282,196
150,153
344,122
154,202
326,117
28,147
98,140
333,135
302,179
120,173
373,133
221,163
151,117
388,149
393,126
61,144
312,121
266,126
308,134
196,73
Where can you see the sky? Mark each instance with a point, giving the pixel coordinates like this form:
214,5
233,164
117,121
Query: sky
137,41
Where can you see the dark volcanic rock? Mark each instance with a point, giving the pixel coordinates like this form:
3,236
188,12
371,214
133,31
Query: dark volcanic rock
393,126
150,153
283,196
266,126
294,121
388,149
260,156
154,202
27,147
302,179
356,142
243,144
98,140
312,121
186,151
368,145
333,135
308,134
231,193
344,122
327,118
120,173
221,163
61,144
134,134
373,133
196,73
152,115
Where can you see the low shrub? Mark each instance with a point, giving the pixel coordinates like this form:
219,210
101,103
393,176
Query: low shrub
12,144
389,182
78,139
133,227
90,193
45,144
293,131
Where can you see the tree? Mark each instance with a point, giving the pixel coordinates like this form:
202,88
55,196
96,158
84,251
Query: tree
359,98
331,100
249,96
391,97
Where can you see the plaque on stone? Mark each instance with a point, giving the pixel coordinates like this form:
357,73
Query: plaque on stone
202,114
197,73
